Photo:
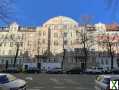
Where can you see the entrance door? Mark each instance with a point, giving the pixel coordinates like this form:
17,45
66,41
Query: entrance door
26,67
39,66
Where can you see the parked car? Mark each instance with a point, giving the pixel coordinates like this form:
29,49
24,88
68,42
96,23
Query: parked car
55,71
102,82
12,70
10,82
94,71
115,71
75,70
33,70
107,71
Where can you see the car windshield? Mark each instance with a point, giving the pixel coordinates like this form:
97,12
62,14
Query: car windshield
106,80
11,77
3,79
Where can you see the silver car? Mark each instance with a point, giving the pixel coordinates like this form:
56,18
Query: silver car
10,82
102,82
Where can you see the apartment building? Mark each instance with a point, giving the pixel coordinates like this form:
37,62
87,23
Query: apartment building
47,43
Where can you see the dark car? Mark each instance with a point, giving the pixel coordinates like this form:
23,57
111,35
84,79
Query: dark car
115,71
74,71
33,70
12,70
55,71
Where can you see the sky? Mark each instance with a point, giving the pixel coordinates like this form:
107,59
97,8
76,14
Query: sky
36,12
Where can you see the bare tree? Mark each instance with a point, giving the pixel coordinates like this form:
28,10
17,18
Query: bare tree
108,42
17,42
38,51
86,42
85,38
38,57
17,53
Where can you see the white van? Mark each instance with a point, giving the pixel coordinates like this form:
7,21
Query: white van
10,82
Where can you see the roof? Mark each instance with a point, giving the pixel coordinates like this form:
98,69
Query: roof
60,20
112,27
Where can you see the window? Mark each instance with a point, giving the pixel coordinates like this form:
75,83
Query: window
39,33
106,61
77,33
0,44
3,52
118,62
10,52
11,61
3,36
12,36
56,43
65,42
77,41
44,33
69,61
43,41
73,60
65,34
28,43
2,61
71,34
11,44
56,35
102,61
21,44
71,42
4,44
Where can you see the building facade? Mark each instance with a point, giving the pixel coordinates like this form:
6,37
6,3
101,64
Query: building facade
48,42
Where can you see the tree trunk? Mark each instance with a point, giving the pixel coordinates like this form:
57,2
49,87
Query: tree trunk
6,65
15,59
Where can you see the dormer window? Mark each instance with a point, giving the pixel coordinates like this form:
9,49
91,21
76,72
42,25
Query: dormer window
14,27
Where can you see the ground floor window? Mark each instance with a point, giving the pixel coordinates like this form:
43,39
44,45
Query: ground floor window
106,61
118,62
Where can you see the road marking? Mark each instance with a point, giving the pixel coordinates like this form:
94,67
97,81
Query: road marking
29,78
71,81
59,87
80,88
33,89
38,87
56,81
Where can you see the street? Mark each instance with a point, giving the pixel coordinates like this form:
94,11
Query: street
58,81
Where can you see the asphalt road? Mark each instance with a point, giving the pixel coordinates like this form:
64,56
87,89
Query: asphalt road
58,81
